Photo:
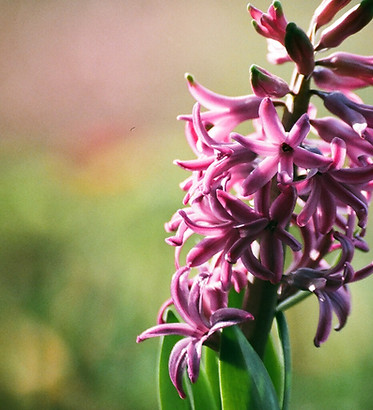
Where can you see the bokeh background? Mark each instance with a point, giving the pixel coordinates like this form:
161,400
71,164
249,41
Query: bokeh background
89,93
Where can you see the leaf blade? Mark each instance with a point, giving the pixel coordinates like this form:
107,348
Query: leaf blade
245,383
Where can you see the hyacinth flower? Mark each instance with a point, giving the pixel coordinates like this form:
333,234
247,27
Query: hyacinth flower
281,150
269,216
342,187
198,328
330,287
225,113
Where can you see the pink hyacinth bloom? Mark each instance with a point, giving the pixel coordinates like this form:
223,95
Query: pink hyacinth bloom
224,113
274,236
330,287
350,23
271,24
356,147
281,150
200,326
324,191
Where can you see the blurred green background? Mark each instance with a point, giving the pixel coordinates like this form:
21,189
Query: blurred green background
88,99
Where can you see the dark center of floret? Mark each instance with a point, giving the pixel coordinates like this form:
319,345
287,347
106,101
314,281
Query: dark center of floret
272,225
286,147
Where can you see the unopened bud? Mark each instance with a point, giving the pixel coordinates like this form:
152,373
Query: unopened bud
350,23
299,48
352,65
265,84
327,10
271,24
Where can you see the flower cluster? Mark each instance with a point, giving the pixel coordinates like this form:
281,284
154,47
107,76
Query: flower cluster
276,204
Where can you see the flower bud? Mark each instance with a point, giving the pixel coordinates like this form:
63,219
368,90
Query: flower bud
265,84
327,10
350,23
299,48
330,81
352,65
271,24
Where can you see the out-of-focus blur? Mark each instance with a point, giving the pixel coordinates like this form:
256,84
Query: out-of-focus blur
89,93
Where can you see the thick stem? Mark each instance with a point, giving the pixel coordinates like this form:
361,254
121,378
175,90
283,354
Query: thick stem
261,301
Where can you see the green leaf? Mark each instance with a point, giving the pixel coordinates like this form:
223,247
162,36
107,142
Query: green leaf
285,342
212,371
201,393
274,362
244,380
235,299
168,397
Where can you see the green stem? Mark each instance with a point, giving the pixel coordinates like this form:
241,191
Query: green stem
261,301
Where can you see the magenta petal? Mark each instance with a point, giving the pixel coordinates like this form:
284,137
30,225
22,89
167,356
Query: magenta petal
285,169
363,273
341,304
180,292
283,206
262,174
272,255
257,146
338,148
208,230
205,250
272,126
310,206
327,211
225,317
196,164
166,329
299,131
240,211
288,239
253,265
177,364
358,175
195,306
307,159
325,319
194,350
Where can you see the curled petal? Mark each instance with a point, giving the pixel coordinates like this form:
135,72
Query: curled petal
310,206
205,250
341,305
288,239
325,318
226,317
194,350
166,329
177,364
253,265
